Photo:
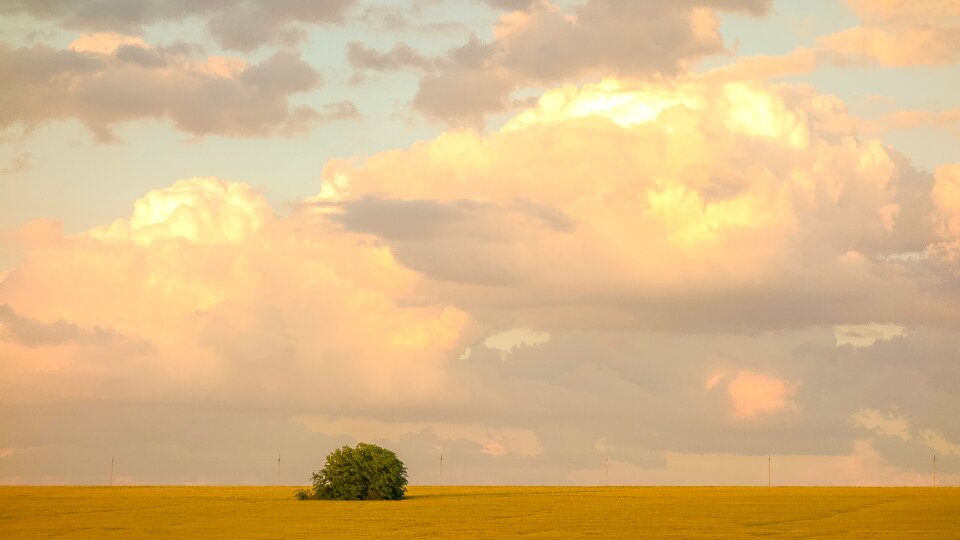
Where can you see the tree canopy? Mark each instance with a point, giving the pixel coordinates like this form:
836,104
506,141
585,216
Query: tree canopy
364,472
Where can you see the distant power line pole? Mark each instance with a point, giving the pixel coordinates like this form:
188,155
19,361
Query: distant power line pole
441,467
606,470
279,476
934,469
769,471
111,470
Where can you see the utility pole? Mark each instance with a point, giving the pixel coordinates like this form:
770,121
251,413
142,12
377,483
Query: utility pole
934,469
279,476
769,471
111,470
441,467
606,471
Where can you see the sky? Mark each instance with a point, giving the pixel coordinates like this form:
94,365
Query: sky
552,241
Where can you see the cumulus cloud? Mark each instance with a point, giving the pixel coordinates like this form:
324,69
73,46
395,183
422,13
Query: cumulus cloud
891,34
760,67
105,79
223,289
948,119
894,47
755,393
399,57
507,341
939,444
865,335
687,245
898,33
695,203
946,197
237,24
510,5
20,162
28,332
905,10
541,43
889,424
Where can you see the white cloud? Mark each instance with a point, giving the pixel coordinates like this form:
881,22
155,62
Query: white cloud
939,443
890,424
865,335
507,341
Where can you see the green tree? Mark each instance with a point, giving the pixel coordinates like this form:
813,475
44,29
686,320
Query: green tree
361,473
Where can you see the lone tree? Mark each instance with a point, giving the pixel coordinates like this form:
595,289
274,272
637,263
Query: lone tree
362,473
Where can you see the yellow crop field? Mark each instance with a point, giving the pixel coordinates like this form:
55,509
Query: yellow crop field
457,511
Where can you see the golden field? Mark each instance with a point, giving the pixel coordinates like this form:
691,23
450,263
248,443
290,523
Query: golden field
456,511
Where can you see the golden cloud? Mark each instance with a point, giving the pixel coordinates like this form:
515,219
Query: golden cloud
233,301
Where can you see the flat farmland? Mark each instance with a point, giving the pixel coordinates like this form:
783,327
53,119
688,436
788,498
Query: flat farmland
490,511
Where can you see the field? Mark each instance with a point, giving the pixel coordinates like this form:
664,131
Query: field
561,512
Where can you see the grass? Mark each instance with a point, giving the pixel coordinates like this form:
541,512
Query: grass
455,511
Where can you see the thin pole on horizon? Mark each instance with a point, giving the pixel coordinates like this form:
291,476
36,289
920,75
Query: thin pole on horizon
769,470
441,467
934,469
606,471
111,470
279,476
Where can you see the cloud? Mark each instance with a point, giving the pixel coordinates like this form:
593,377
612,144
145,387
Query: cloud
897,33
223,290
753,394
688,245
865,335
894,47
889,424
760,67
199,210
690,204
340,110
236,24
863,465
32,333
946,198
494,441
905,10
939,444
464,96
511,5
399,57
892,34
507,341
20,162
251,24
105,43
948,120
714,380
544,44
103,80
